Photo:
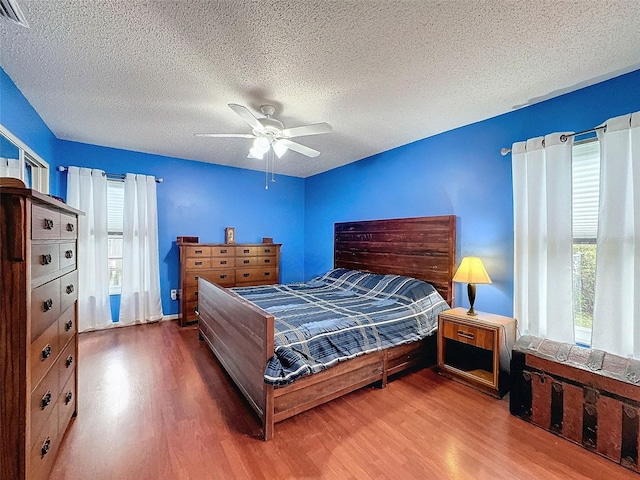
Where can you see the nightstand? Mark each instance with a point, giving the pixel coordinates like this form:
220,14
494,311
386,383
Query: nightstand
476,350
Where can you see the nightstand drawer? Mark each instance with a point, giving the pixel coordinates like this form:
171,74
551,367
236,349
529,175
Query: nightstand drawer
460,332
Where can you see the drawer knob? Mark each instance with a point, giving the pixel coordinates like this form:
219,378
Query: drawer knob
463,334
70,227
267,250
68,326
266,274
68,397
267,260
246,274
69,361
223,250
46,352
223,262
48,224
48,304
198,251
198,263
195,294
68,254
46,259
46,400
45,447
247,261
70,289
246,251
223,276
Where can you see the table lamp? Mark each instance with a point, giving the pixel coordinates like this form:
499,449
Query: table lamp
471,271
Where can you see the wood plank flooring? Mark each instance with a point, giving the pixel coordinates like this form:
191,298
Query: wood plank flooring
155,404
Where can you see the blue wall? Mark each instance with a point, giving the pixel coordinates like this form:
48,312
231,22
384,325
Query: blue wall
195,198
459,172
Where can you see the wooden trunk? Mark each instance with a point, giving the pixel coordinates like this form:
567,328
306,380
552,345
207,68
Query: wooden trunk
586,396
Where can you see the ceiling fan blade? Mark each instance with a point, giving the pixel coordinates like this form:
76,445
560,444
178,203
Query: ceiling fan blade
224,135
304,130
246,115
296,147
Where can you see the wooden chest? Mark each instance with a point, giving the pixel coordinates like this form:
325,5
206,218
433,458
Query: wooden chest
228,265
587,396
38,325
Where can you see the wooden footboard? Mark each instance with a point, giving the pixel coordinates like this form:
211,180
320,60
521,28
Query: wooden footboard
241,336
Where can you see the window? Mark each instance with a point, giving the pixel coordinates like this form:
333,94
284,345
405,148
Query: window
115,209
586,193
19,161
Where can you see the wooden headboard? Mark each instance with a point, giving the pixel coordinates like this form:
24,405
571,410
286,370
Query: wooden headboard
422,247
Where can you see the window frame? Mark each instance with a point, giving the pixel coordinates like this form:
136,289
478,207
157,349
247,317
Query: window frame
27,157
114,235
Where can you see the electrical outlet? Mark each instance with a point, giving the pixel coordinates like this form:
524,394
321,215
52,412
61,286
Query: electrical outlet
174,294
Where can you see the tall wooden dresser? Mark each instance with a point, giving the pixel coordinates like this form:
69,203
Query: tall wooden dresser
38,325
228,265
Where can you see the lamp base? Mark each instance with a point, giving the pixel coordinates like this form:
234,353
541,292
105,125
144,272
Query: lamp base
471,291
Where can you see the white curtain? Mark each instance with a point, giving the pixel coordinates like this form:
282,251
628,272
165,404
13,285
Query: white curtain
87,191
140,301
616,315
9,167
543,237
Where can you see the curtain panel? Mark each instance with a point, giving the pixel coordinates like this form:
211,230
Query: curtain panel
140,301
616,315
87,191
543,237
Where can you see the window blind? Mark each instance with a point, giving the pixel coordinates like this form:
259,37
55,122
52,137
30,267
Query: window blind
115,206
586,192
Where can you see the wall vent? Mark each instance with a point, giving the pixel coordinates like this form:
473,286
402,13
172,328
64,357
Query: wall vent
10,10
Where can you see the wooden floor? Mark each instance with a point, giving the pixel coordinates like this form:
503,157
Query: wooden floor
155,404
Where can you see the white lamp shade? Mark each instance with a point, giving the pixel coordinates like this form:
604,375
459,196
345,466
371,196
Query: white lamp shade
279,148
261,144
471,270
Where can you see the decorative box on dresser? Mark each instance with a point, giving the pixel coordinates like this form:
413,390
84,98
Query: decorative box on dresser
228,265
38,325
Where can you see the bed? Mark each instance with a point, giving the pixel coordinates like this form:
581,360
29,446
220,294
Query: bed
241,334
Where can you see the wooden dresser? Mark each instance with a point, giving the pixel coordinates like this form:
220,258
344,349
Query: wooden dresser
38,330
228,265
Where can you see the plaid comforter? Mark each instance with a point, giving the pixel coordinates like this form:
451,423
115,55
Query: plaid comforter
340,315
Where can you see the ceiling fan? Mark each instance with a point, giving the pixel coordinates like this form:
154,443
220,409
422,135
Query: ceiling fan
270,133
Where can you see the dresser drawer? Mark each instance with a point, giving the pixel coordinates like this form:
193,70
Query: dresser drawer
223,262
67,362
67,254
45,307
67,326
43,352
246,251
44,447
224,278
460,332
222,251
247,262
270,250
262,260
45,223
68,290
196,263
249,275
43,400
45,260
190,313
66,403
198,252
68,226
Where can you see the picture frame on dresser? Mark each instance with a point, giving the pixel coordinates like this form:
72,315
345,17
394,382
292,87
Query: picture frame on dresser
230,235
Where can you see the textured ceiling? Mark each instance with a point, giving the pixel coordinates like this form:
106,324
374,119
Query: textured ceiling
146,75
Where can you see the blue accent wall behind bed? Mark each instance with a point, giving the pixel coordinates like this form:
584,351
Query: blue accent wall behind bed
458,172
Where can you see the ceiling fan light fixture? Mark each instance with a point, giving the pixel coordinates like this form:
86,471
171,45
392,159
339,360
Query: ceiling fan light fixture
258,155
261,144
279,149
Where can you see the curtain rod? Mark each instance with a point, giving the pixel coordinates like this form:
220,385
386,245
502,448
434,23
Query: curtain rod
117,176
563,138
